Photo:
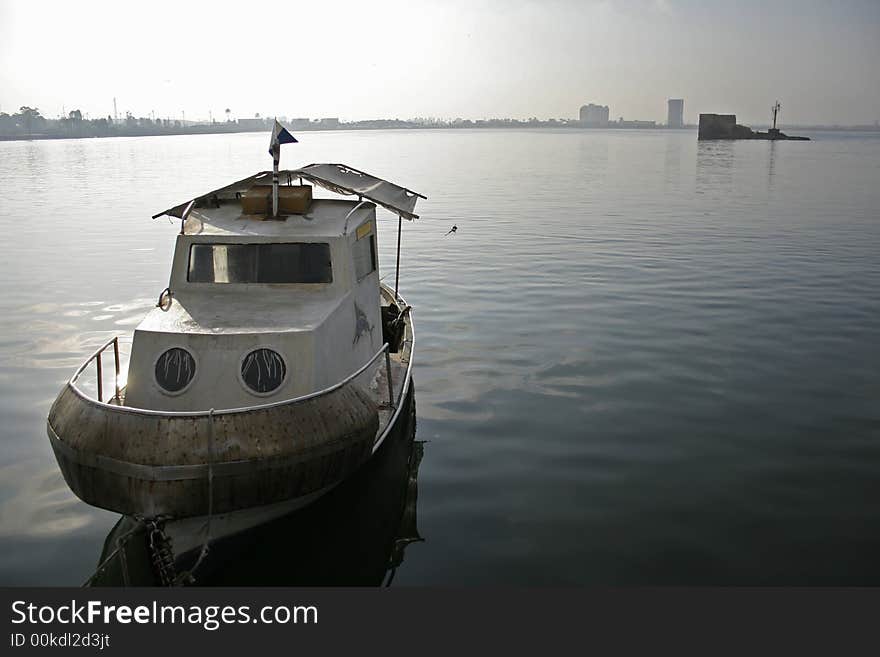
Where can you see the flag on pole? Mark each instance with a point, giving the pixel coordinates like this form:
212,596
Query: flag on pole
280,135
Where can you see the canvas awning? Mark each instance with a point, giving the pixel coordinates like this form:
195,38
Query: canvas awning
338,178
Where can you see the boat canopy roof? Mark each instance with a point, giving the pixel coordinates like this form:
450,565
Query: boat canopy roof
338,178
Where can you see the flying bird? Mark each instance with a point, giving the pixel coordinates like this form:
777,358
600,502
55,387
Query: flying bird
451,230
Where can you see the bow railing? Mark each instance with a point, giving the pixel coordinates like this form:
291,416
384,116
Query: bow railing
114,342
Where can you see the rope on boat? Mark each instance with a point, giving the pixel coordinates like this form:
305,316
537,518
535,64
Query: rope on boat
189,575
158,545
119,550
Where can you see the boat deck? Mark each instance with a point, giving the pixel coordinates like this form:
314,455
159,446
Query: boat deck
399,364
379,389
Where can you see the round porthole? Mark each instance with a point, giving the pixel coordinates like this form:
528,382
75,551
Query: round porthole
175,369
263,371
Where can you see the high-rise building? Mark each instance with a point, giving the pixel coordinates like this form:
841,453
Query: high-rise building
594,115
675,115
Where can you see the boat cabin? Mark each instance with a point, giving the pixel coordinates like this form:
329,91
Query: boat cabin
264,308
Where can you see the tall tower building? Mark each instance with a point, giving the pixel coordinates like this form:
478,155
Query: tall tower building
675,115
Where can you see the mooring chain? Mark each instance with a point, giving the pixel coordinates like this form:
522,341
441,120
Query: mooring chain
161,553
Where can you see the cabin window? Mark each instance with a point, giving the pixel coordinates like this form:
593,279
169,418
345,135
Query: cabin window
174,370
260,263
263,371
364,252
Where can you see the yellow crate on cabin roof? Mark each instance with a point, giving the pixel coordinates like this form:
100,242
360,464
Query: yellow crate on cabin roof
292,199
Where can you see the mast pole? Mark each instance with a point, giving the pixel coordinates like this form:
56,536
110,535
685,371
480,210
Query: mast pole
276,156
397,270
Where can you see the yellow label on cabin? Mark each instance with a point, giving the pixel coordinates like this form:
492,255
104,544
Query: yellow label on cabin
364,229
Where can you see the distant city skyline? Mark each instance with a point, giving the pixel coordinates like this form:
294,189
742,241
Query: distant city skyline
331,123
445,59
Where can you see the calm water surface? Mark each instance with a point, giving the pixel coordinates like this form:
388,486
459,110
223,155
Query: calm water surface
641,360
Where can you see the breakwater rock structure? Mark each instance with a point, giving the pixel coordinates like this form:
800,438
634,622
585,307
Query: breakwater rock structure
724,126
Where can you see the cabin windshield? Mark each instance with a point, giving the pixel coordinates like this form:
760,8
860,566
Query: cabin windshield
260,263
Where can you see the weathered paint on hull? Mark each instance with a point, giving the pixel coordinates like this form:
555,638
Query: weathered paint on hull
152,466
188,534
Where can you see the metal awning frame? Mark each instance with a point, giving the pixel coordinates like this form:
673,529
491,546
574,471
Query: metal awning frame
311,176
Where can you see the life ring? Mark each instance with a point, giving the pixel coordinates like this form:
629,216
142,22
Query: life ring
165,299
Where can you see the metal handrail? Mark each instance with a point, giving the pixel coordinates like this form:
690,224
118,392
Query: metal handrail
226,411
96,356
361,202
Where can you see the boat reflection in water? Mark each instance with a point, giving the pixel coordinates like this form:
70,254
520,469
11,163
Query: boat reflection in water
355,535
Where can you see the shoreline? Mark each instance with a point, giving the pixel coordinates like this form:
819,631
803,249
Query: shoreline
342,128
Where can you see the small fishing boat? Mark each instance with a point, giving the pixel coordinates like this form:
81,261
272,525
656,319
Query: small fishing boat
274,365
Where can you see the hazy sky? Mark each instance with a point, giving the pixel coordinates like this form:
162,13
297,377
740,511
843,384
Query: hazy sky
444,58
